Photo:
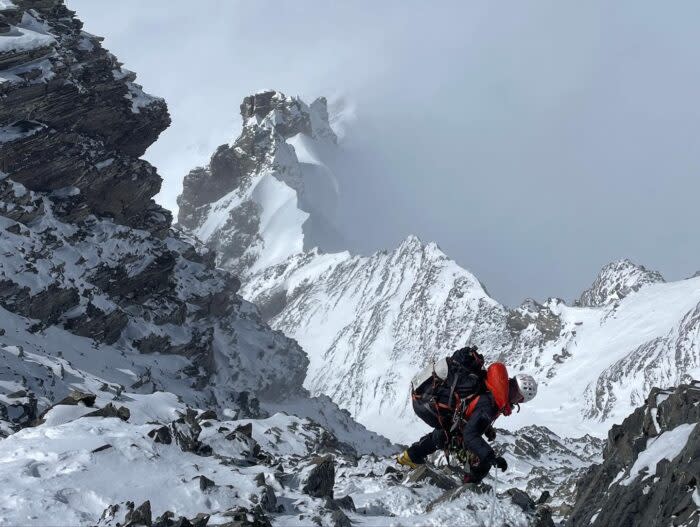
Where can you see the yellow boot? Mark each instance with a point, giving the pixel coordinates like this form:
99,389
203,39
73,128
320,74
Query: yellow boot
405,460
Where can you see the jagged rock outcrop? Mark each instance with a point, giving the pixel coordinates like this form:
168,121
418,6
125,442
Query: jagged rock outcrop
139,293
319,478
651,466
617,280
257,201
73,121
548,466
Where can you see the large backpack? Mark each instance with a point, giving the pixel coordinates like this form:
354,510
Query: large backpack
442,386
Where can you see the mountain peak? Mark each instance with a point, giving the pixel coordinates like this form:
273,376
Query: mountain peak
269,194
615,281
289,116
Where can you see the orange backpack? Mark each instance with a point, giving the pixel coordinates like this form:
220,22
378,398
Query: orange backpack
497,383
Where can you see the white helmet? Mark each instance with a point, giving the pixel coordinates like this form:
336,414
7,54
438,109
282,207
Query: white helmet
527,386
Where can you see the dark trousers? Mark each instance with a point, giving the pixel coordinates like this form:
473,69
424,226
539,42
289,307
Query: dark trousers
432,441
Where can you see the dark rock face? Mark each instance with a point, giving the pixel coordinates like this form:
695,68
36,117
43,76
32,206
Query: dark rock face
340,519
47,305
612,493
320,480
126,514
77,397
186,432
110,410
89,121
161,435
20,410
140,515
98,324
530,312
293,119
428,475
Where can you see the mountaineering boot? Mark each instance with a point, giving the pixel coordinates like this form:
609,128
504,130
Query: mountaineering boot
405,460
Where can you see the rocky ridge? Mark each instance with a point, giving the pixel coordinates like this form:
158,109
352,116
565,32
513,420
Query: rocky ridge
73,121
651,466
265,196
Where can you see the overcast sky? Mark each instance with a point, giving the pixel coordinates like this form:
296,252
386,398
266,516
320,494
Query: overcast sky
534,141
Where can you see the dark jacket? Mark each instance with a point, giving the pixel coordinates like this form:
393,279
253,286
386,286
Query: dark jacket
479,421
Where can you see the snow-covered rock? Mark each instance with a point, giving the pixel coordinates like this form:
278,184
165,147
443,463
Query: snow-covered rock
615,281
92,277
269,194
651,466
76,468
74,121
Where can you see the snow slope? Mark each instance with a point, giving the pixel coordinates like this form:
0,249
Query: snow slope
390,314
69,467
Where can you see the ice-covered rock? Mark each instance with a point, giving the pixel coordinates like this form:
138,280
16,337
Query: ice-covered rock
651,466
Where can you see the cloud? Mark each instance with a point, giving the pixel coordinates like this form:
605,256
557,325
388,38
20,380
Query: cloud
534,141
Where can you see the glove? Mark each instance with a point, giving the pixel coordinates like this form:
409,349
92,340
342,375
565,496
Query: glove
501,463
490,433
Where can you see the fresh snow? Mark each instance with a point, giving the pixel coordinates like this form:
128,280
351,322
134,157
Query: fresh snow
281,221
23,39
666,445
139,99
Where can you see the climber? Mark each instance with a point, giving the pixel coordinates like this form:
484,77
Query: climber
461,400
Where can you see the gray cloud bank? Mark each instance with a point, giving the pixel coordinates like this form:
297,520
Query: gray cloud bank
534,141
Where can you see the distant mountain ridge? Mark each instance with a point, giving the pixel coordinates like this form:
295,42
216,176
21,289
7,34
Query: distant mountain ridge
369,322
